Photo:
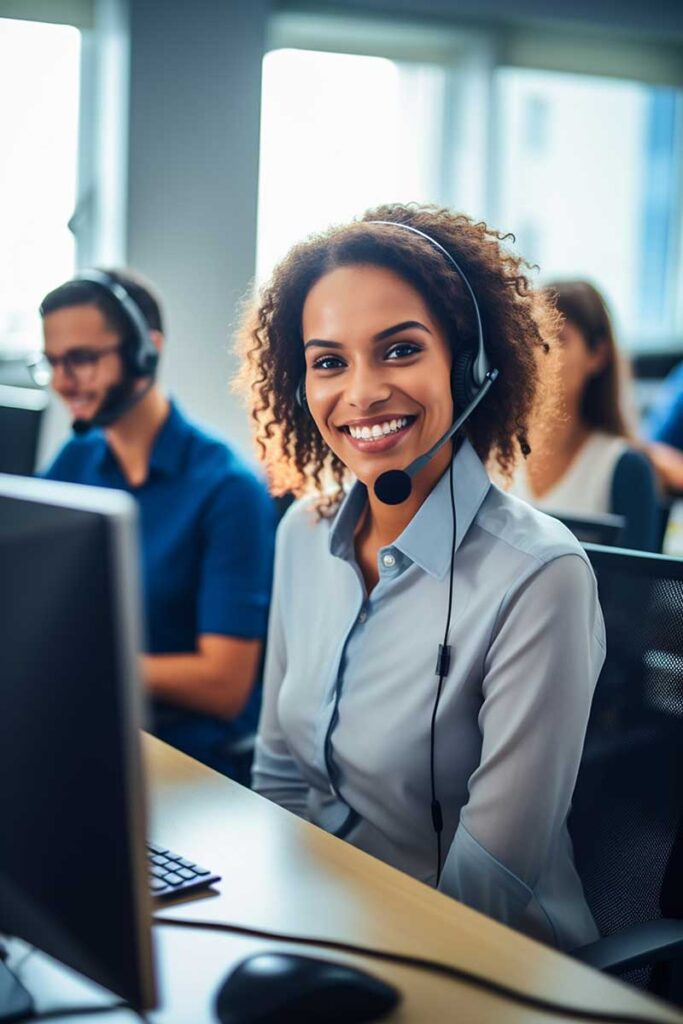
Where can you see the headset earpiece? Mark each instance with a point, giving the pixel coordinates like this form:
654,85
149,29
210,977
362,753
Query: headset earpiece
462,380
301,394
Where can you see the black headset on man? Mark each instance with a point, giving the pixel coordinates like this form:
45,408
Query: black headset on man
139,353
472,377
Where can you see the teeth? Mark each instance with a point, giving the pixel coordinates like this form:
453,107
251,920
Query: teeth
378,430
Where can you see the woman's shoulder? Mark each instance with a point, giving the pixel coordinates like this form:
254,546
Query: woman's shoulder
536,536
609,447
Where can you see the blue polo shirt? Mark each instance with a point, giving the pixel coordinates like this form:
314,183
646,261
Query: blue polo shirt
206,534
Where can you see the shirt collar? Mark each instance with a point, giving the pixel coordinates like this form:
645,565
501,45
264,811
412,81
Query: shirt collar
424,540
168,450
170,445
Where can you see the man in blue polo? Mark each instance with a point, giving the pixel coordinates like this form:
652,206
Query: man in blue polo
206,519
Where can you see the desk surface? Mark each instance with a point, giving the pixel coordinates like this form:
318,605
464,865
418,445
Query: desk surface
282,874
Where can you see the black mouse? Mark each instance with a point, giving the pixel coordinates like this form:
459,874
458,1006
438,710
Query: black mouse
284,988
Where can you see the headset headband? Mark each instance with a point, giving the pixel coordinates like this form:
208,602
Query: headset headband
480,366
146,355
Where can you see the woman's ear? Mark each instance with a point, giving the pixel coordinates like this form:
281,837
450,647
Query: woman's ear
599,357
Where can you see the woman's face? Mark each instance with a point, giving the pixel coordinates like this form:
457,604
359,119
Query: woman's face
577,362
377,369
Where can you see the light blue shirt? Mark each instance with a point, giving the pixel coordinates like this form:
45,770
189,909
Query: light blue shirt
344,736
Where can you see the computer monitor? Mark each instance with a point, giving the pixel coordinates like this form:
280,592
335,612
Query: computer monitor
21,414
73,873
606,529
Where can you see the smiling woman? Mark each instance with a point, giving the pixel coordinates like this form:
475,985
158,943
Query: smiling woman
367,346
518,323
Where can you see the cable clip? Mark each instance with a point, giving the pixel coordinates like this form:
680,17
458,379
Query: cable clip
443,661
437,816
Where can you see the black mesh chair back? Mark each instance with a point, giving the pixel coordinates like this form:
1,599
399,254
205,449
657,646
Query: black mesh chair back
606,529
626,817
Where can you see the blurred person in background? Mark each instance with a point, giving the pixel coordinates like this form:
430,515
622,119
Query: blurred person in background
584,460
664,431
206,519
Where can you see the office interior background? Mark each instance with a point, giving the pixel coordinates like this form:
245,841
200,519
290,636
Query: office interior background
197,142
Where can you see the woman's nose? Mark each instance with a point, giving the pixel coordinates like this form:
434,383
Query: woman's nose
367,387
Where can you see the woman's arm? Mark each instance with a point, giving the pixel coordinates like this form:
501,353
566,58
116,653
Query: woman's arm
542,665
276,775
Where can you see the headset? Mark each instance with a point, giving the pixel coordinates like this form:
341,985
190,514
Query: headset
471,378
142,357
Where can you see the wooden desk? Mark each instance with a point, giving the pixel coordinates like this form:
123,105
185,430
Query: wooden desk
282,874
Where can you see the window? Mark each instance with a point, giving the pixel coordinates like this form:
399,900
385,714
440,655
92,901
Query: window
39,79
589,180
340,133
585,169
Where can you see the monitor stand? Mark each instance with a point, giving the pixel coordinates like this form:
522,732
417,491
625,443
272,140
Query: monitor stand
15,1002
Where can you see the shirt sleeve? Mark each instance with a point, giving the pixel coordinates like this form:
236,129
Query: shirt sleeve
236,559
635,496
540,671
665,421
276,775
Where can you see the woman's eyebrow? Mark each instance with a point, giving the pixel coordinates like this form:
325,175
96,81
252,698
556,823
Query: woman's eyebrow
382,336
404,326
321,343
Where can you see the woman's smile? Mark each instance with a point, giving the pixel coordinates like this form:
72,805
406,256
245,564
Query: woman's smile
377,433
378,370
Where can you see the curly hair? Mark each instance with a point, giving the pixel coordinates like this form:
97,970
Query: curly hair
518,322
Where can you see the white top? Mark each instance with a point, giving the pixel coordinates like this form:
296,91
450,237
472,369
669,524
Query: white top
586,487
349,689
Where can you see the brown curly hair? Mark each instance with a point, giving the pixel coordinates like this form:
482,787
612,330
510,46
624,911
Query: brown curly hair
518,321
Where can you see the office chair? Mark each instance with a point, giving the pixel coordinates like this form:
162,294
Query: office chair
606,529
626,821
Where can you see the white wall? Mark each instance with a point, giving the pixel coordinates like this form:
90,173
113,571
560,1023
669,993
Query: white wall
195,85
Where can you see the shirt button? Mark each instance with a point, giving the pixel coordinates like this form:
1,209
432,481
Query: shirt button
388,560
362,615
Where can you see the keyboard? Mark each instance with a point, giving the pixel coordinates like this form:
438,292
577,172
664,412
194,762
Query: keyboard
170,873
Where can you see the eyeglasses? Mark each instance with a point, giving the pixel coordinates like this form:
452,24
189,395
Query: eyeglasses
79,363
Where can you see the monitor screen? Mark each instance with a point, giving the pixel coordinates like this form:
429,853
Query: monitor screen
21,414
73,876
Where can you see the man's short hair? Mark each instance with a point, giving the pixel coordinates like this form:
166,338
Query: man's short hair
87,293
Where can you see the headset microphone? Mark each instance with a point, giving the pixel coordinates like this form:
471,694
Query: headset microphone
120,399
394,486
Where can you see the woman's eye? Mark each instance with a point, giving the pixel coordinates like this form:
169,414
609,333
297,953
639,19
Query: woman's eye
402,350
327,363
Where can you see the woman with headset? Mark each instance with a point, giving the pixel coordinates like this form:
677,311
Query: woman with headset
434,643
586,460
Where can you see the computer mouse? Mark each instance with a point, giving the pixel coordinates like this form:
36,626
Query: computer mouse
285,988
